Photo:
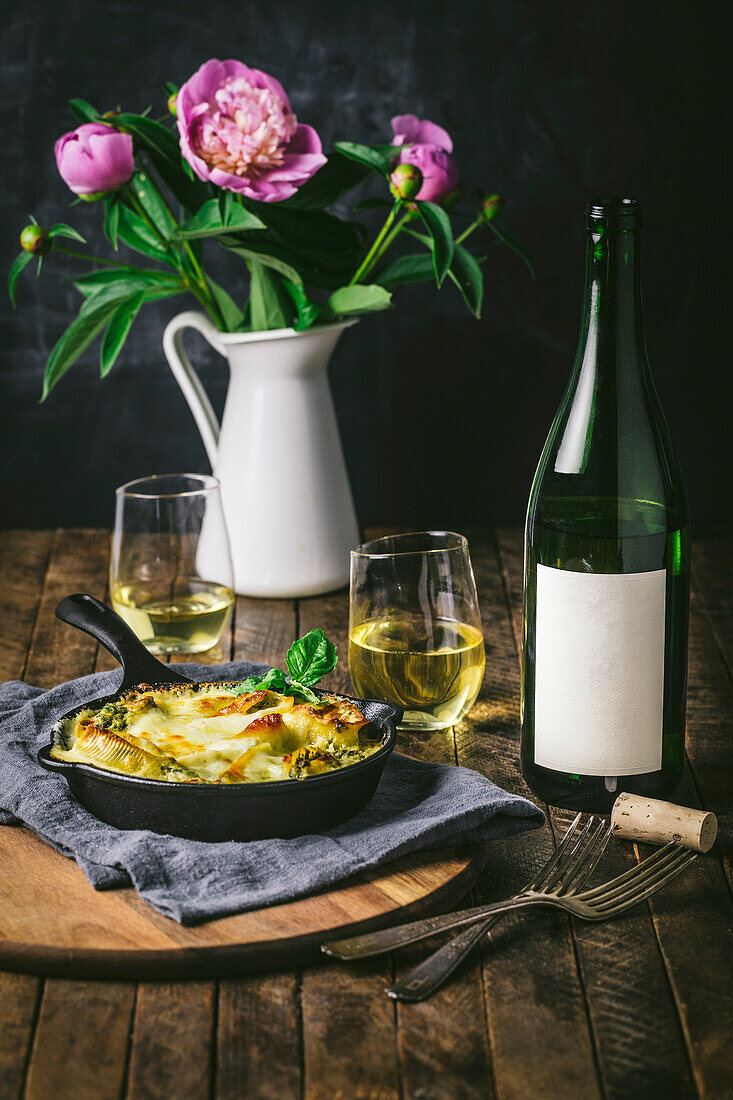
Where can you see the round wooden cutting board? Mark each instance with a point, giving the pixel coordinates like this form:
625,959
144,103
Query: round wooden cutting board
53,922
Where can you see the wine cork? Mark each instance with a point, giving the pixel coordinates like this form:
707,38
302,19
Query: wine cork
652,821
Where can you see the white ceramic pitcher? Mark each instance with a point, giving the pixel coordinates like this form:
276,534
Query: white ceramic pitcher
278,456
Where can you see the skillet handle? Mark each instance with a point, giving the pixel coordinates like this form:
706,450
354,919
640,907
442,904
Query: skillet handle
105,625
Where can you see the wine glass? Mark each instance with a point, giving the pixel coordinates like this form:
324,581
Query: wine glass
170,573
415,635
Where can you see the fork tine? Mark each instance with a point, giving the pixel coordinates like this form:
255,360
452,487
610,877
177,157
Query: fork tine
643,879
618,907
593,853
556,856
590,895
566,867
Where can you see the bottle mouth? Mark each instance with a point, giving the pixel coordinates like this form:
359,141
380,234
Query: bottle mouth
613,210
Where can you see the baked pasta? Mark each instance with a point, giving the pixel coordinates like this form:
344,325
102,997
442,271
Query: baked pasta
208,733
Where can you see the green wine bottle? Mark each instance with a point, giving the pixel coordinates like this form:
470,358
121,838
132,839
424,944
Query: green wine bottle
607,553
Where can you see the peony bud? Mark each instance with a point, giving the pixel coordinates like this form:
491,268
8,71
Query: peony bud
172,108
36,240
405,181
491,206
94,159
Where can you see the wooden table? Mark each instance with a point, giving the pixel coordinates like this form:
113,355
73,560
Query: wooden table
639,1007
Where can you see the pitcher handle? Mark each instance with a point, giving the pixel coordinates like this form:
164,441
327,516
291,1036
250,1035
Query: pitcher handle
186,377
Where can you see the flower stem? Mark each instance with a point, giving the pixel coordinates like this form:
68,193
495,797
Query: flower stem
368,262
395,232
474,225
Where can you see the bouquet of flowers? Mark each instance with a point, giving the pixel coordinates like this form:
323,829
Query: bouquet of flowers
244,174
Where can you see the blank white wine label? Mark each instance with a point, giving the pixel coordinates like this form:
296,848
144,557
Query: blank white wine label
599,671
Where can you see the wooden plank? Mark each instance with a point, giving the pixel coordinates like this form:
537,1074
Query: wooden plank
539,1032
78,563
80,1045
343,1006
691,919
172,1041
23,558
19,997
259,1040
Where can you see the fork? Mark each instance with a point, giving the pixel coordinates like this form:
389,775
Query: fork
601,903
571,860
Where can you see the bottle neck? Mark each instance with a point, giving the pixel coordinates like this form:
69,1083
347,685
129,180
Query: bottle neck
612,332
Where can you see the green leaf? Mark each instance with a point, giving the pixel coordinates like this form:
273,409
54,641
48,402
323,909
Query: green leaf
147,195
231,313
170,88
296,688
274,680
83,111
133,281
120,324
358,299
266,252
91,319
138,235
367,155
112,220
437,223
417,268
311,657
466,274
307,311
269,303
63,230
312,230
20,262
515,243
165,156
338,175
208,222
226,201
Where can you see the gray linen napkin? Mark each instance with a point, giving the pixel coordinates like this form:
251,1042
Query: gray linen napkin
416,806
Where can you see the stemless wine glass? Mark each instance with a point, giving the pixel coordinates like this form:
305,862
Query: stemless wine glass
171,574
415,634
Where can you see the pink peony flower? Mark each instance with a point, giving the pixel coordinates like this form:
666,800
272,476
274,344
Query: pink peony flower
430,149
94,158
237,130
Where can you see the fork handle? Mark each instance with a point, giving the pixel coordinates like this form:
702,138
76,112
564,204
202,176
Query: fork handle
428,976
377,943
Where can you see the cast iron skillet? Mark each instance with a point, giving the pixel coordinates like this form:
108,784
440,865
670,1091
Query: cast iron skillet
203,811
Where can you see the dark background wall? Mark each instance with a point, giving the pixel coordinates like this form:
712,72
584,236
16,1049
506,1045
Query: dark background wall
443,417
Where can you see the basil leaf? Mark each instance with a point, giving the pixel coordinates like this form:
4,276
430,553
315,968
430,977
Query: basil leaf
274,680
310,658
305,692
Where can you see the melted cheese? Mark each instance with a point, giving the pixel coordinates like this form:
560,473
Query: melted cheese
211,734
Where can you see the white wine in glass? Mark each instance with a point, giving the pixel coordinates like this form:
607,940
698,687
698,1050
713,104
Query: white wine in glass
171,572
415,634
